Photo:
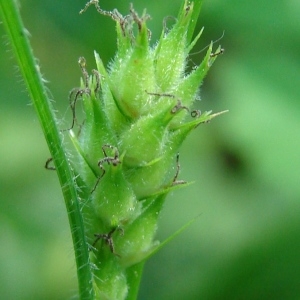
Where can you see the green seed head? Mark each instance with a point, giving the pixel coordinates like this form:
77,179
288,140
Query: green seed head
138,112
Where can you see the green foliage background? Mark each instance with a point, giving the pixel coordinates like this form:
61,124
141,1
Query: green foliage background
246,164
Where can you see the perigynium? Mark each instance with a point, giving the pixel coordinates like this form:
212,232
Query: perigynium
137,114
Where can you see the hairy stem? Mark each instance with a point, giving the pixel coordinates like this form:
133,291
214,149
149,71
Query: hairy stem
18,37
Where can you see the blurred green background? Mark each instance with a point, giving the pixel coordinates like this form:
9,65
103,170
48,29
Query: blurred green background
245,164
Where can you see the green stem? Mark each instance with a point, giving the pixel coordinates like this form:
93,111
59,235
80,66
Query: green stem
18,36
